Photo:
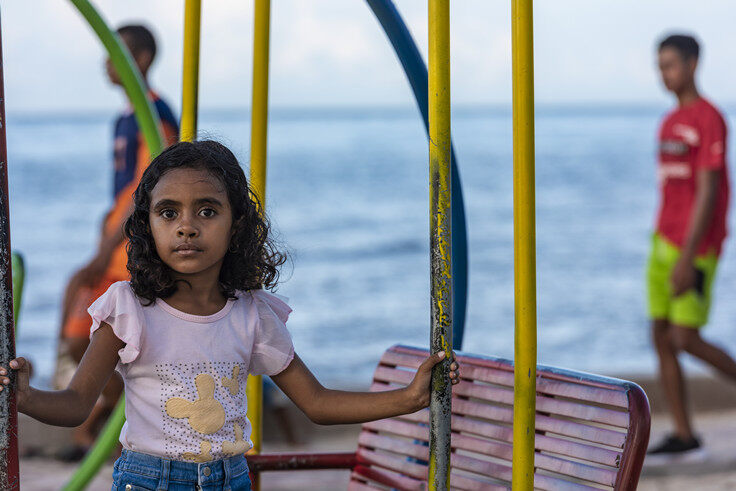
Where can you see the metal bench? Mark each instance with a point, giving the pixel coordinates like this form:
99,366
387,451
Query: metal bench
592,431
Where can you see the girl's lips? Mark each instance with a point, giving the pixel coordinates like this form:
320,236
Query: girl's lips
187,250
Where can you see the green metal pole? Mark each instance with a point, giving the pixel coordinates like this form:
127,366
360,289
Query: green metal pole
149,124
130,76
19,278
440,228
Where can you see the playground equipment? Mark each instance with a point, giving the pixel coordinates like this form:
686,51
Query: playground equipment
258,154
407,53
591,431
587,405
19,277
9,478
582,416
525,268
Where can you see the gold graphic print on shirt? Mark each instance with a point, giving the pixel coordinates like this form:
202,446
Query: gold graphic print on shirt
204,454
206,415
232,383
239,446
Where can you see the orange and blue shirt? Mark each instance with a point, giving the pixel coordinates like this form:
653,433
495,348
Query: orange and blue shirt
131,157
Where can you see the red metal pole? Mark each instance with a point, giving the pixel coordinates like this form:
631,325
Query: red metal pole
9,478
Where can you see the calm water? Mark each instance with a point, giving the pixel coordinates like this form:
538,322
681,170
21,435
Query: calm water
347,193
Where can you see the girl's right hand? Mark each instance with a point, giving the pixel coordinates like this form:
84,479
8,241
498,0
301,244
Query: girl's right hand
22,367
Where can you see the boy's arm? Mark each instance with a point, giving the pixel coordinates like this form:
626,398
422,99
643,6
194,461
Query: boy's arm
91,274
326,406
683,274
69,407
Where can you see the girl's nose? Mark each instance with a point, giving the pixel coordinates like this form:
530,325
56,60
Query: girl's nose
186,230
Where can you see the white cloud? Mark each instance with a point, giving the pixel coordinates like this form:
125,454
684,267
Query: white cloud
334,52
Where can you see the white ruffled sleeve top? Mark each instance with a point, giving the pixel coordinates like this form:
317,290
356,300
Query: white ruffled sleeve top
185,374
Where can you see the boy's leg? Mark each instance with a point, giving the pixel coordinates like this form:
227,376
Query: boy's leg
690,312
689,340
662,258
685,315
670,374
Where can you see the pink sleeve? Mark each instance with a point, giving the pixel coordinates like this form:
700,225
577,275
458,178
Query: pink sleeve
272,348
712,151
120,308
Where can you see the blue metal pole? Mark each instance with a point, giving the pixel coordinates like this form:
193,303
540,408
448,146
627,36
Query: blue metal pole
416,72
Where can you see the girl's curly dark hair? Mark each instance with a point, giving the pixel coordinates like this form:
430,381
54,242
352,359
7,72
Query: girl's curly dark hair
252,260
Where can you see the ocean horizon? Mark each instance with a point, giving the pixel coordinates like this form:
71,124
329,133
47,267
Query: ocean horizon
347,194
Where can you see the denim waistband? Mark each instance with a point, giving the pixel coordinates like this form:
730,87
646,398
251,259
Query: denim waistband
175,470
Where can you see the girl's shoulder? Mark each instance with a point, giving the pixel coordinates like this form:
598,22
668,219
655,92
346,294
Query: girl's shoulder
121,294
272,348
267,304
122,310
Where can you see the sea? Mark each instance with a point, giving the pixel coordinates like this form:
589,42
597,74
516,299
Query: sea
347,195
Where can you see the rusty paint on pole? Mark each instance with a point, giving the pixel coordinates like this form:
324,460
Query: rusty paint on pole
440,226
8,412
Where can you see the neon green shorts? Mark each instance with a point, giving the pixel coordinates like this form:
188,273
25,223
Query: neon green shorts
689,309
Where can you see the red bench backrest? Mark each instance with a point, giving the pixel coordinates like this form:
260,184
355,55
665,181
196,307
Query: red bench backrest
592,431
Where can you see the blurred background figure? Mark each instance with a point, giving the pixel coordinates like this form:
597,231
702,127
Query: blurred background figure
690,230
130,158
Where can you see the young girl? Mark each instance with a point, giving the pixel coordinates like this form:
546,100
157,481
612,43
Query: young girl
190,325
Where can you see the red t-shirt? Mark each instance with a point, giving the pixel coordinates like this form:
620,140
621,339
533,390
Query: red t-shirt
691,138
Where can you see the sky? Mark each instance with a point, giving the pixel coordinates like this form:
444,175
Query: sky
334,53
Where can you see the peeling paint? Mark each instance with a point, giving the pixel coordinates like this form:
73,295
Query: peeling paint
8,415
440,218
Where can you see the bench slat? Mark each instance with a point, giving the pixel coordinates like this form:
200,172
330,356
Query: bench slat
599,475
546,443
545,404
549,373
355,485
573,409
490,448
543,423
404,447
547,483
472,369
570,390
462,462
411,469
484,468
395,481
572,429
468,483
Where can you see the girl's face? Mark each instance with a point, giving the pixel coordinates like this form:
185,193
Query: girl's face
191,221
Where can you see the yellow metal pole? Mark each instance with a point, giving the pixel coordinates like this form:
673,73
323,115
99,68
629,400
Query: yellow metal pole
525,339
440,224
192,14
258,141
259,115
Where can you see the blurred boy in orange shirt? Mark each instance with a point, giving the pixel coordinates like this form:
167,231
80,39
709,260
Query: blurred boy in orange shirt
131,157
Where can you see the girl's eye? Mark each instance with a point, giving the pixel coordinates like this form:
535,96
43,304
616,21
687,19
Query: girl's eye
168,214
207,212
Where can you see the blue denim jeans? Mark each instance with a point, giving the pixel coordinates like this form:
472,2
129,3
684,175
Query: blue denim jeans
135,471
